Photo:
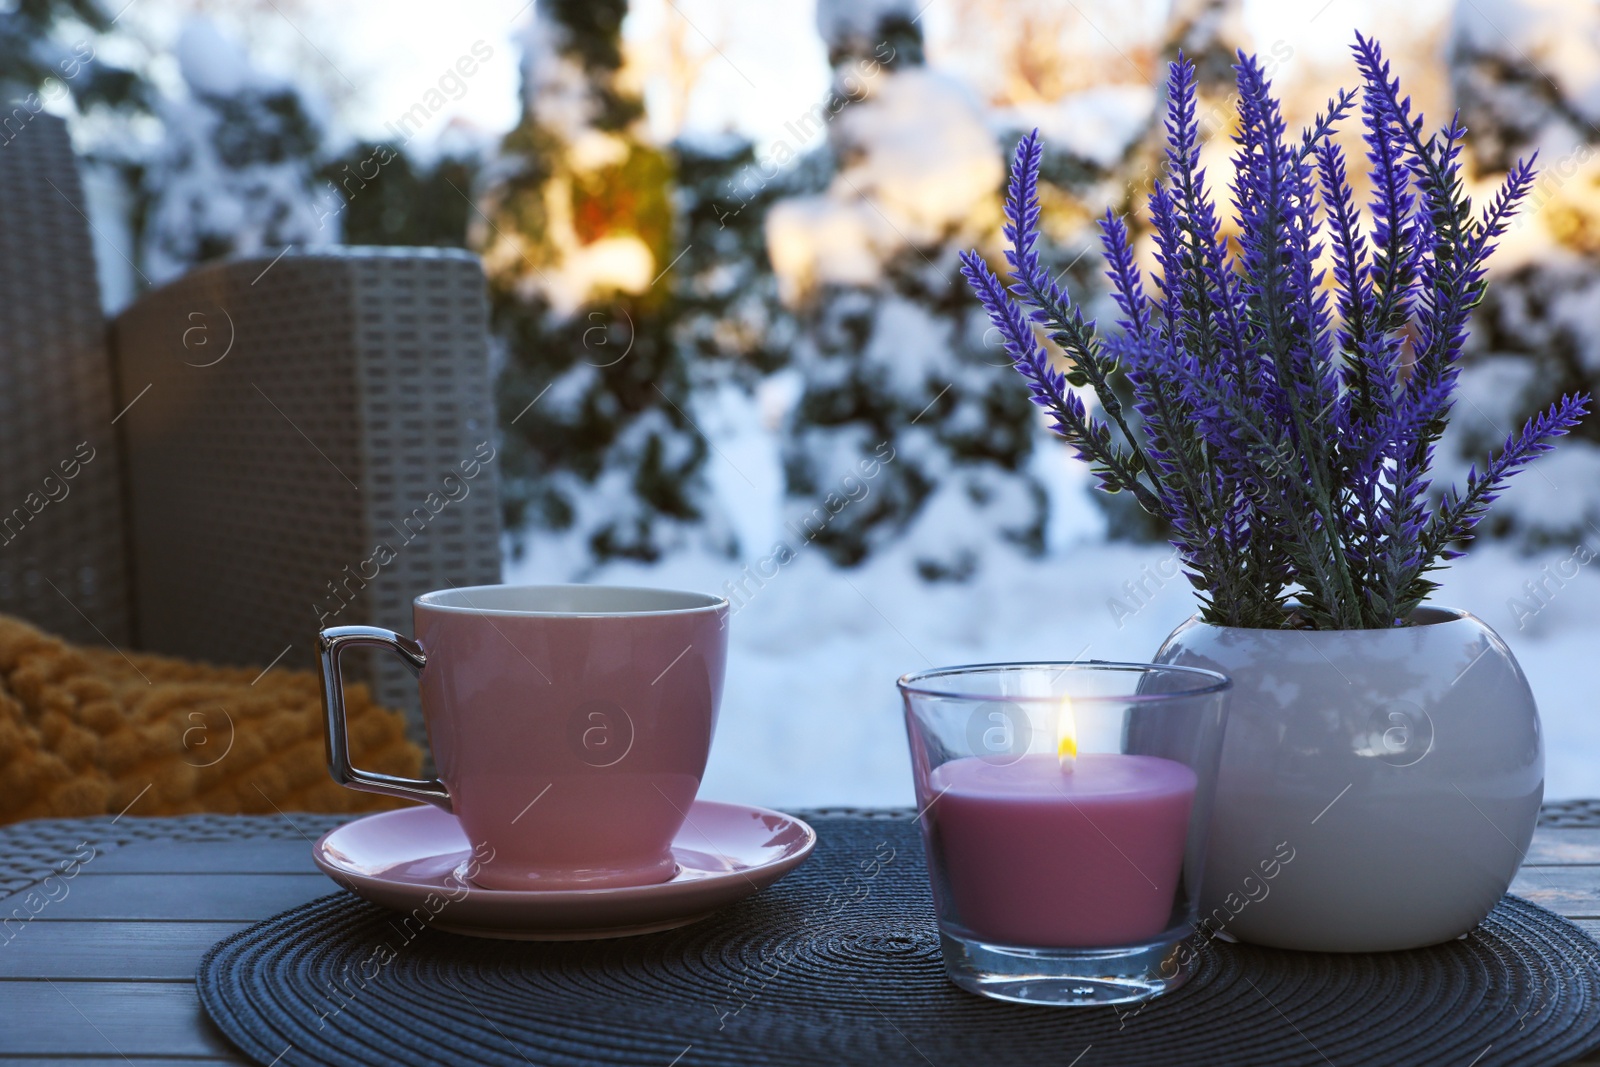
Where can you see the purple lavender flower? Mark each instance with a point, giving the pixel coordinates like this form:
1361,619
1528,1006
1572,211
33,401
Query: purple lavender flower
1284,433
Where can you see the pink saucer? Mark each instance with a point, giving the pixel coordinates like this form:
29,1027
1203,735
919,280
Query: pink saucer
409,860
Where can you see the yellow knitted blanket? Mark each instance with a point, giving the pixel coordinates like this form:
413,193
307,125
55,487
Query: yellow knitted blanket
90,731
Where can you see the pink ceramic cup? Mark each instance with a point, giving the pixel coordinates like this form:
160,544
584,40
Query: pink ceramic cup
570,724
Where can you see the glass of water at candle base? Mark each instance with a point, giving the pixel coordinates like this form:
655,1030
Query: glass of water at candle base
1065,808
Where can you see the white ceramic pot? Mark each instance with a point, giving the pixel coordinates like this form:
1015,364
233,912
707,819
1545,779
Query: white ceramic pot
1399,771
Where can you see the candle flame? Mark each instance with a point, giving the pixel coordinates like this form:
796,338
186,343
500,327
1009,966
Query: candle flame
1066,735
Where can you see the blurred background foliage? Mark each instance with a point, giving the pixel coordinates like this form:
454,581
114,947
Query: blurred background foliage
664,298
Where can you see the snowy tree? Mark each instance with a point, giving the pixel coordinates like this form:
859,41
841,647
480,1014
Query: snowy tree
1210,34
1524,77
236,172
581,245
856,29
898,376
382,196
50,49
730,319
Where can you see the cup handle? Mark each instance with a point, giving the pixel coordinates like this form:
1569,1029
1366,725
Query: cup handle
331,643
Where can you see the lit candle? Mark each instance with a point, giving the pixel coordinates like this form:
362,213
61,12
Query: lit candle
1065,851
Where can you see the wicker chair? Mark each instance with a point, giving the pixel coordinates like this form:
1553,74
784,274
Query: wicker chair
260,448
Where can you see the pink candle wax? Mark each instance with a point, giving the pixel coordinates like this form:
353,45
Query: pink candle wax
1042,857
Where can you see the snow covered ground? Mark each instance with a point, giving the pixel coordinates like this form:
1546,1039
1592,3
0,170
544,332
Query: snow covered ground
810,714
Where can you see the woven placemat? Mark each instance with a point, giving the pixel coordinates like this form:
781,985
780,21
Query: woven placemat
839,964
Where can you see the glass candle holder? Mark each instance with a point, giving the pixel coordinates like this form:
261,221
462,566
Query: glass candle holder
1064,809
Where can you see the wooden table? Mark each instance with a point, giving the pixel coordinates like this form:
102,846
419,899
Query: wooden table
97,961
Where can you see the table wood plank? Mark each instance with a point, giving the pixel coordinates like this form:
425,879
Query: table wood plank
1564,848
185,897
209,857
1573,892
141,951
105,1019
118,1061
